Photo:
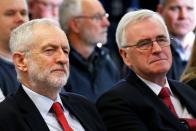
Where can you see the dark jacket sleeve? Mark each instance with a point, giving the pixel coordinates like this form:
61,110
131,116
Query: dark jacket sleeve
117,114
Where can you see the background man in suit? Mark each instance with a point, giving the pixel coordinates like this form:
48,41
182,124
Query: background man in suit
180,18
134,103
44,9
12,14
40,54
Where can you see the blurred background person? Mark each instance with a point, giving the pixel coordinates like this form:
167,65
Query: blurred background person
44,9
179,16
12,14
92,70
189,74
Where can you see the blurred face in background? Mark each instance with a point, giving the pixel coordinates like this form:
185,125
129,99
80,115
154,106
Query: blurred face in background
45,9
93,23
179,16
12,14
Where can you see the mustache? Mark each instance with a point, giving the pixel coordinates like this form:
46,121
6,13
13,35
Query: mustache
60,67
105,30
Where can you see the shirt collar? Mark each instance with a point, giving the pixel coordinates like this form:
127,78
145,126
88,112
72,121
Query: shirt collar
155,87
42,103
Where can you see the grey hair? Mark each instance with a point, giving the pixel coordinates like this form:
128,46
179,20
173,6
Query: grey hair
21,38
133,17
67,11
163,2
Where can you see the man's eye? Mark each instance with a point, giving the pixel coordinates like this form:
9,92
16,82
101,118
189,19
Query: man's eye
10,13
143,43
97,17
162,39
190,8
23,13
175,8
49,51
66,51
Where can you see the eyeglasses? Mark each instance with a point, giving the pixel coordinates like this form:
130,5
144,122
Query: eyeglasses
97,17
147,44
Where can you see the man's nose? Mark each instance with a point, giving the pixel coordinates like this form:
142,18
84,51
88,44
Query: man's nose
156,47
62,57
19,18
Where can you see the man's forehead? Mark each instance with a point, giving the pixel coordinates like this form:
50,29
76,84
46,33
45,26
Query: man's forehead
182,2
13,5
50,1
88,5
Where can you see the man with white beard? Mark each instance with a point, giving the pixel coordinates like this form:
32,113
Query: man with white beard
40,52
12,14
92,71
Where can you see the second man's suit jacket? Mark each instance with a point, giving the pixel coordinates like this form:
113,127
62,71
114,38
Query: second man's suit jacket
19,113
132,106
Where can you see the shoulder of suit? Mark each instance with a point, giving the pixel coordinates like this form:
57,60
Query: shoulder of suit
76,98
180,85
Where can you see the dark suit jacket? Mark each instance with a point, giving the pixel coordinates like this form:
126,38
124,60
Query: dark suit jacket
178,65
132,106
19,113
192,83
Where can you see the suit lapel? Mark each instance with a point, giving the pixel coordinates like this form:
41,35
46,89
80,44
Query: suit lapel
77,111
29,112
186,95
151,98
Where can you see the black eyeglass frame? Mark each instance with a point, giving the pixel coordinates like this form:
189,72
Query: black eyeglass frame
96,16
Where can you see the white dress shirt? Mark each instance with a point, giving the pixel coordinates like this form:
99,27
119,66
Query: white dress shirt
187,45
2,97
181,110
44,105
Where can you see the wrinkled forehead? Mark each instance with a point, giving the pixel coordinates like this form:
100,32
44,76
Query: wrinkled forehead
191,3
141,23
92,7
13,4
145,29
49,34
49,1
55,1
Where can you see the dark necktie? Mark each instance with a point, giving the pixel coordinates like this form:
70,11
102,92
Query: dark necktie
165,96
60,116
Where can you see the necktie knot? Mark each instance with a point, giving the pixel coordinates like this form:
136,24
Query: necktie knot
165,93
57,108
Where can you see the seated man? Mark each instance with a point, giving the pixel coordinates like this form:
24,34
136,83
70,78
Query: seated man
44,9
179,16
92,71
146,100
12,14
42,64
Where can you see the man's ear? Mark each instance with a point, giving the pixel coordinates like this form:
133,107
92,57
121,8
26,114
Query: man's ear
160,9
31,5
125,56
73,25
19,61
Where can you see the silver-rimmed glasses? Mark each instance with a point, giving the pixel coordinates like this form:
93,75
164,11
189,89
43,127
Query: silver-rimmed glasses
97,17
147,44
